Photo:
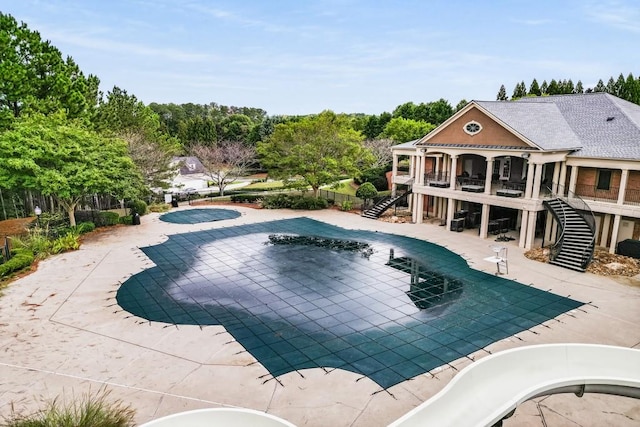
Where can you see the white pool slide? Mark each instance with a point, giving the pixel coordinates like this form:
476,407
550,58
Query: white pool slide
484,392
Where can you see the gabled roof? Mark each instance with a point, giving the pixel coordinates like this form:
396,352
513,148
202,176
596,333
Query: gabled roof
593,125
189,165
540,123
606,126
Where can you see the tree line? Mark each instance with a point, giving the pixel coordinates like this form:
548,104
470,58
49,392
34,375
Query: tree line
65,144
626,88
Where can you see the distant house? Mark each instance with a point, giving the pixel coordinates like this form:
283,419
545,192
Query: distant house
190,173
553,170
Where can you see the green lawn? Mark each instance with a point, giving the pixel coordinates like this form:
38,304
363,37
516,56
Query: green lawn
264,186
345,188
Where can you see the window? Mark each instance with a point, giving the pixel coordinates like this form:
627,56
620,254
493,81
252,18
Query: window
604,179
472,127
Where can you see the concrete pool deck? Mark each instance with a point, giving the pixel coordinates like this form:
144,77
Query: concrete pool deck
61,332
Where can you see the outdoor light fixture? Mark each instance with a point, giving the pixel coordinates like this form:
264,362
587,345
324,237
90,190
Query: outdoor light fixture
525,155
38,212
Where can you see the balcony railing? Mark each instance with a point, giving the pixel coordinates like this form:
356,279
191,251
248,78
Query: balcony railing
591,192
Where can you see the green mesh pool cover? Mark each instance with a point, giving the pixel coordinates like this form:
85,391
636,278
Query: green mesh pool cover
194,216
299,294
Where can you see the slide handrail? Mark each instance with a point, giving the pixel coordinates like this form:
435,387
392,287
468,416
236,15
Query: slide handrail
490,389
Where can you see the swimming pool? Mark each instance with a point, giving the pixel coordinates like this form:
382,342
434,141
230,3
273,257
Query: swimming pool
300,293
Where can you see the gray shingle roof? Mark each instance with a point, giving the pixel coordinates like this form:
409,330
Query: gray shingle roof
541,123
606,126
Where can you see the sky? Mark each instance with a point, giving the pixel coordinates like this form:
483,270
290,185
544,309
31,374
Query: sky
349,56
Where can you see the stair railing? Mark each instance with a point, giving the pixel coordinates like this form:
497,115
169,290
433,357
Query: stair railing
577,203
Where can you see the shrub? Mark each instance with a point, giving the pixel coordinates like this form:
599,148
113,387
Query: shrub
127,219
68,242
109,218
347,205
88,411
308,203
366,191
159,207
85,227
99,218
246,198
277,201
287,201
21,258
138,207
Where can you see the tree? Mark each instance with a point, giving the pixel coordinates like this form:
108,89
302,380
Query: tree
235,127
403,130
225,162
520,91
63,159
366,191
34,77
502,94
439,111
579,87
406,111
544,88
599,86
123,116
534,89
463,103
554,88
317,149
381,151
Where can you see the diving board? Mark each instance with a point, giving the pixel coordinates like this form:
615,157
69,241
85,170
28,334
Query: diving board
489,390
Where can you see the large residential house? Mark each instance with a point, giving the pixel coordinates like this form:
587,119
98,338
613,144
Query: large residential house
560,171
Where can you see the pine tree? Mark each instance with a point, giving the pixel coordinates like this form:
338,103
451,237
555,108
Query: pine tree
534,89
632,87
579,88
544,88
554,88
620,87
520,91
502,94
611,86
569,88
600,87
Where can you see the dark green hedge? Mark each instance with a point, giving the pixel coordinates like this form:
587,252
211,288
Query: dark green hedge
21,258
99,218
288,201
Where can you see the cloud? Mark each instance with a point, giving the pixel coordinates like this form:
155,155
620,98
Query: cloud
533,22
616,14
92,41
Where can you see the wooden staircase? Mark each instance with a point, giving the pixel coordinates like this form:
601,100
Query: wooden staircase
574,246
376,210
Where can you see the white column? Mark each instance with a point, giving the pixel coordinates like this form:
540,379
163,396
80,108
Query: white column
438,167
523,229
412,166
454,167
420,209
484,221
623,186
450,211
531,230
573,179
563,178
548,228
614,234
394,186
604,233
421,169
488,173
529,185
556,177
537,181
